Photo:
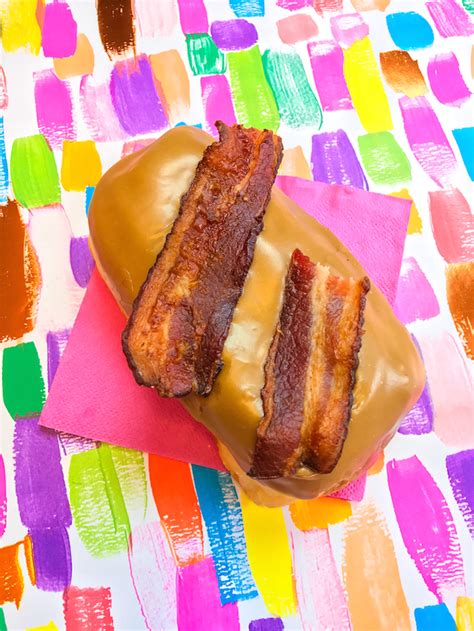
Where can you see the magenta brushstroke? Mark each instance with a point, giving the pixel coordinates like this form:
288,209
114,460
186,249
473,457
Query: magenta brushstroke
134,97
233,34
51,558
3,90
426,526
81,259
217,102
293,5
348,28
193,16
3,497
59,32
419,419
428,140
98,111
197,584
460,467
327,64
450,19
446,80
266,624
415,298
53,108
334,161
56,343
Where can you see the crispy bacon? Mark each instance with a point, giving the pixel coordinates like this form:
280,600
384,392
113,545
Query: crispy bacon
310,371
180,319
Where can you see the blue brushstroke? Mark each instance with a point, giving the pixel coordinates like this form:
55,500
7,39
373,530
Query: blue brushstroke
410,30
464,138
222,515
248,8
89,192
3,166
434,618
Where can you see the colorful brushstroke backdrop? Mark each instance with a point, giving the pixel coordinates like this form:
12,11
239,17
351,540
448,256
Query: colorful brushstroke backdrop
376,94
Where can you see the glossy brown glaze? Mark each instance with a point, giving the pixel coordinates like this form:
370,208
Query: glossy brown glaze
133,209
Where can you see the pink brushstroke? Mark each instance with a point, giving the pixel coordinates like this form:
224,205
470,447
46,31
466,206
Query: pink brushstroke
426,526
217,102
348,28
3,90
327,63
428,140
415,299
319,589
450,19
447,372
59,32
153,575
354,491
296,28
193,16
98,111
199,605
3,498
155,19
446,80
136,145
293,5
452,221
88,609
53,108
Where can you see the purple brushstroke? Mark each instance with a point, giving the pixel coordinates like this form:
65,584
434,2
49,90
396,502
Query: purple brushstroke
334,161
134,97
51,558
419,419
81,260
56,342
3,498
327,64
266,624
450,19
39,481
415,298
233,34
348,28
460,468
71,444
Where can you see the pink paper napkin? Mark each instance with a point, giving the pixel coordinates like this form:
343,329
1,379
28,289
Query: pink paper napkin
94,393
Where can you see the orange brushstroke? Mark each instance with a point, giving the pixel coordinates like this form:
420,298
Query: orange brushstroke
11,576
370,5
172,81
402,73
177,504
81,63
465,613
414,223
460,293
319,513
294,163
378,465
29,559
370,571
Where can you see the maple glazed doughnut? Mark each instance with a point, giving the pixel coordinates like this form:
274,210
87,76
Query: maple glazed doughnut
144,218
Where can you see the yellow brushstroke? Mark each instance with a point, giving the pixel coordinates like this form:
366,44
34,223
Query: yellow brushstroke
81,165
294,163
20,28
365,86
414,223
319,513
45,627
269,556
465,613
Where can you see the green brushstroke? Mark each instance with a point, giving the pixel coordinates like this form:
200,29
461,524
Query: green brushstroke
468,5
107,492
296,101
22,381
3,624
203,55
384,160
34,174
253,98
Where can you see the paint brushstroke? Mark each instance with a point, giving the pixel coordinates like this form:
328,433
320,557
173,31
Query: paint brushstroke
319,513
450,19
370,572
453,225
233,34
266,624
52,558
409,30
370,5
34,174
88,609
81,165
363,78
427,139
321,599
197,584
384,160
446,80
293,5
442,357
193,16
248,8
415,299
327,6
81,62
348,28
169,71
464,613
203,55
402,73
296,28
464,138
3,90
334,161
419,419
116,26
253,98
294,163
296,102
134,97
225,529
176,501
415,224
54,111
434,618
460,294
217,102
98,111
20,274
20,28
82,263
327,64
12,582
460,468
56,342
59,32
3,498
4,179
155,20
269,556
468,5
22,381
154,575
426,526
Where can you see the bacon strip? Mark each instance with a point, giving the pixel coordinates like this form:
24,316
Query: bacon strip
310,371
180,320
